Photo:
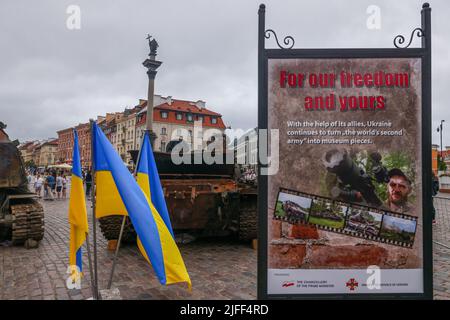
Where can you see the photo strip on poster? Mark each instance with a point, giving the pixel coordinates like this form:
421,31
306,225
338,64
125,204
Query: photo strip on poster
345,218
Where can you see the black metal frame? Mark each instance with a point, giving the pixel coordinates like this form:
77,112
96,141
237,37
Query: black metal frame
424,53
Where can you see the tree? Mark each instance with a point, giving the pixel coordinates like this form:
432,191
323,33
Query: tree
442,166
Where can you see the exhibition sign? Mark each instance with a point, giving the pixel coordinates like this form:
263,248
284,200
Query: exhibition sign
348,212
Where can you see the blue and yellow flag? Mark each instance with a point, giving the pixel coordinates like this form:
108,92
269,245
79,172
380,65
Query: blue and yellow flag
117,193
148,180
77,210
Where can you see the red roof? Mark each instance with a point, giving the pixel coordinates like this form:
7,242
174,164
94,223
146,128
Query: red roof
184,107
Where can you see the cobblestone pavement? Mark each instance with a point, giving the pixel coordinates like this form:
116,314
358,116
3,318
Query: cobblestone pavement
441,247
219,269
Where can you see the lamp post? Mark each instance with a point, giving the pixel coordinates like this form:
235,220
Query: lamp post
152,65
439,129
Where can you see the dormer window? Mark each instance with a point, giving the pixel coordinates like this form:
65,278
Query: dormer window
164,114
179,116
213,120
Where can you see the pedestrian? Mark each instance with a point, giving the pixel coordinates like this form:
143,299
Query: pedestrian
434,191
38,185
54,177
59,185
50,186
88,180
29,178
64,188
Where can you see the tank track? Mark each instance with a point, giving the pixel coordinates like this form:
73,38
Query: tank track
27,222
248,217
110,227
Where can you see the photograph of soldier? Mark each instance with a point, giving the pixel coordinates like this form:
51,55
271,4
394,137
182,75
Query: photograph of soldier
369,179
399,187
364,221
294,208
328,213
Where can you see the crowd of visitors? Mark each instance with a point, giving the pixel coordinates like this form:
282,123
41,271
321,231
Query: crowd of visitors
50,185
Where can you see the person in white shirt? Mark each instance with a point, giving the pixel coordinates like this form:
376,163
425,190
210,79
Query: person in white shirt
38,185
59,185
64,189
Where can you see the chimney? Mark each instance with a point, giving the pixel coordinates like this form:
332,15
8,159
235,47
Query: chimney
158,99
200,104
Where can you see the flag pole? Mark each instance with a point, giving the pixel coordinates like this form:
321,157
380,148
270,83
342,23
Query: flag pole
90,265
94,222
111,275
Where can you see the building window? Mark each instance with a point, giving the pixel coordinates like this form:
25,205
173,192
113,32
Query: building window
163,146
163,130
164,114
179,116
189,117
213,120
200,118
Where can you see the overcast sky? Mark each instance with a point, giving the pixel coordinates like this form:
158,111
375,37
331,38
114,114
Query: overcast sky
53,78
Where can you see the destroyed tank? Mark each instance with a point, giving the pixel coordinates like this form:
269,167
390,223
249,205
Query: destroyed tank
203,200
21,215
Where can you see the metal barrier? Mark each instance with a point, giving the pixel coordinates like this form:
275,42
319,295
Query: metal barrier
441,229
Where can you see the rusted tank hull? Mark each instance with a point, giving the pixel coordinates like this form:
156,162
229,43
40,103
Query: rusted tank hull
21,215
202,199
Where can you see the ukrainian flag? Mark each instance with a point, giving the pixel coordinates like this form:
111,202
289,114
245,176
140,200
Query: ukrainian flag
148,180
117,193
77,210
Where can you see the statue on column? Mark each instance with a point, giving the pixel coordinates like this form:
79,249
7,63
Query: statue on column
153,44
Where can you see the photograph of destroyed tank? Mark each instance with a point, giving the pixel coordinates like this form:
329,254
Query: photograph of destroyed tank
398,229
328,213
292,207
364,221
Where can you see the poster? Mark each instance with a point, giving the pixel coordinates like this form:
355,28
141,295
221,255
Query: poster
345,207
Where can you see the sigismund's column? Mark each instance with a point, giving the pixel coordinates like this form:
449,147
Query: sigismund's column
152,65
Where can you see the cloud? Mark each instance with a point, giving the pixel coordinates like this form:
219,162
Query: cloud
53,78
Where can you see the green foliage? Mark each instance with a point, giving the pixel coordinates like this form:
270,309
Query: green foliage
442,166
326,222
279,209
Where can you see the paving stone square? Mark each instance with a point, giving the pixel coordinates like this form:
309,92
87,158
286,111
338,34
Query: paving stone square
219,268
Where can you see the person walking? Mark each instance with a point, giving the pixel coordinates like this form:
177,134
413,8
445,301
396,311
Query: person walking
88,180
64,189
49,186
434,192
38,185
59,185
